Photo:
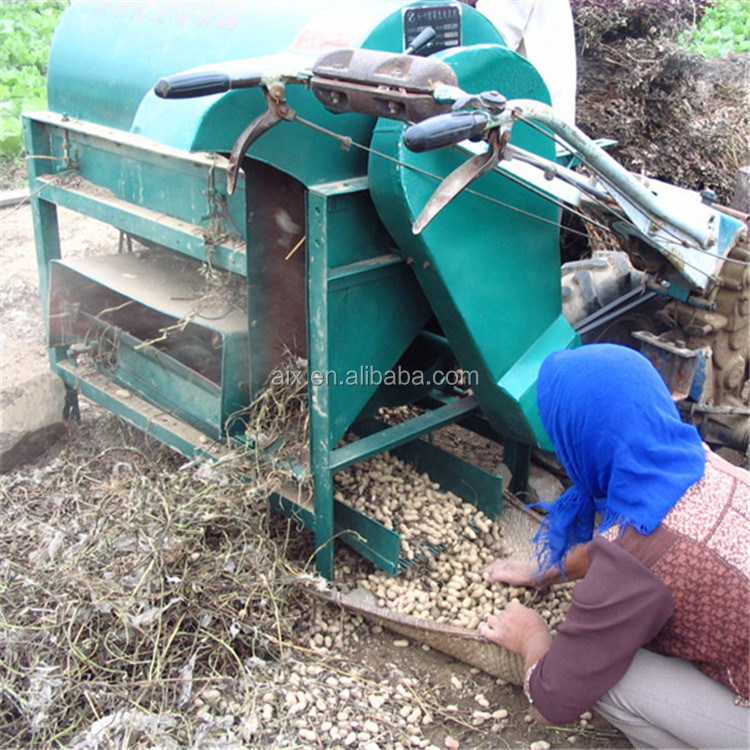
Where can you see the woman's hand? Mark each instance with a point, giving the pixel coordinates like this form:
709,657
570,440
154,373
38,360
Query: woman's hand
524,573
523,631
519,629
513,572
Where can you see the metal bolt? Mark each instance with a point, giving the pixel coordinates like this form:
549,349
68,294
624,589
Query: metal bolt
494,100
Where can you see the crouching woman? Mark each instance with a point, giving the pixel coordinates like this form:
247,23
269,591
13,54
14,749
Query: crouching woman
657,527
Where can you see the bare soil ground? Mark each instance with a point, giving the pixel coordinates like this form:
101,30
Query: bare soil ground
143,604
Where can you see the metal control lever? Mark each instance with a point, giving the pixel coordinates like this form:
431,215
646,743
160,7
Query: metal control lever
420,40
203,83
461,177
276,110
194,83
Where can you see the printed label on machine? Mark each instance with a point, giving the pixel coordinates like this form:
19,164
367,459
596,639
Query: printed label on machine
329,31
445,19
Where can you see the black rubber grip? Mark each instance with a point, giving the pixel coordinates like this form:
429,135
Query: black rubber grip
188,85
444,130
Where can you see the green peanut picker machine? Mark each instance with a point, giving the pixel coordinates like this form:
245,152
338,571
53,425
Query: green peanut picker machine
372,191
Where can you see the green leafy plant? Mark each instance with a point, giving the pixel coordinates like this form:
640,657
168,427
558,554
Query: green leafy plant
26,30
724,28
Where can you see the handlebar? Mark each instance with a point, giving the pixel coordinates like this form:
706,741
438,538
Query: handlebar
202,83
445,130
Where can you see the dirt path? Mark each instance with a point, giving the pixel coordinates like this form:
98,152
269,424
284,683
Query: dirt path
22,340
462,699
21,327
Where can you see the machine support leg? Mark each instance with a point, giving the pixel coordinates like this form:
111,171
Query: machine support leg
319,398
44,213
517,457
71,410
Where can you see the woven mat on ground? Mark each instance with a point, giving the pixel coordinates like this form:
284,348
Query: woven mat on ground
462,644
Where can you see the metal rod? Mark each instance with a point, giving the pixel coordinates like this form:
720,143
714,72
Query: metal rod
601,161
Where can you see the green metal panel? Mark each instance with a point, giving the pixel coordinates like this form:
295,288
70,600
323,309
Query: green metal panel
100,73
375,308
43,212
319,400
489,266
107,55
164,381
93,300
153,420
168,183
374,323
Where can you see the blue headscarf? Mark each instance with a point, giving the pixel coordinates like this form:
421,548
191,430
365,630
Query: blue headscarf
619,435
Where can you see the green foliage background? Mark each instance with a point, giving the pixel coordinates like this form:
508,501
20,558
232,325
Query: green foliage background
724,28
26,30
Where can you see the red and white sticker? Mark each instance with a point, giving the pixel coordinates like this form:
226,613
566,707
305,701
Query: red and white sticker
328,31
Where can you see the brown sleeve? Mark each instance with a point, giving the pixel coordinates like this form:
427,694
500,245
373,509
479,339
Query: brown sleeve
618,607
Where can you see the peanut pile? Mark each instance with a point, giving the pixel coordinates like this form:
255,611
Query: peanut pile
448,541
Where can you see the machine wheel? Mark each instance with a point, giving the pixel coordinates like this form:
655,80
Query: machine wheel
590,285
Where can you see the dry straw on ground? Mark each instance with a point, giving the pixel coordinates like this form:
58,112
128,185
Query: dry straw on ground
149,602
129,584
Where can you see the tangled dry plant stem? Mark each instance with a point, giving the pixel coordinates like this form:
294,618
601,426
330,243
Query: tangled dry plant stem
120,587
140,594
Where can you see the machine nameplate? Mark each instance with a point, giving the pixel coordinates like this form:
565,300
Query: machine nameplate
445,19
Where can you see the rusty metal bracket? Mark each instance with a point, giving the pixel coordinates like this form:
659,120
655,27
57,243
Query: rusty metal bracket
277,110
381,84
462,177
